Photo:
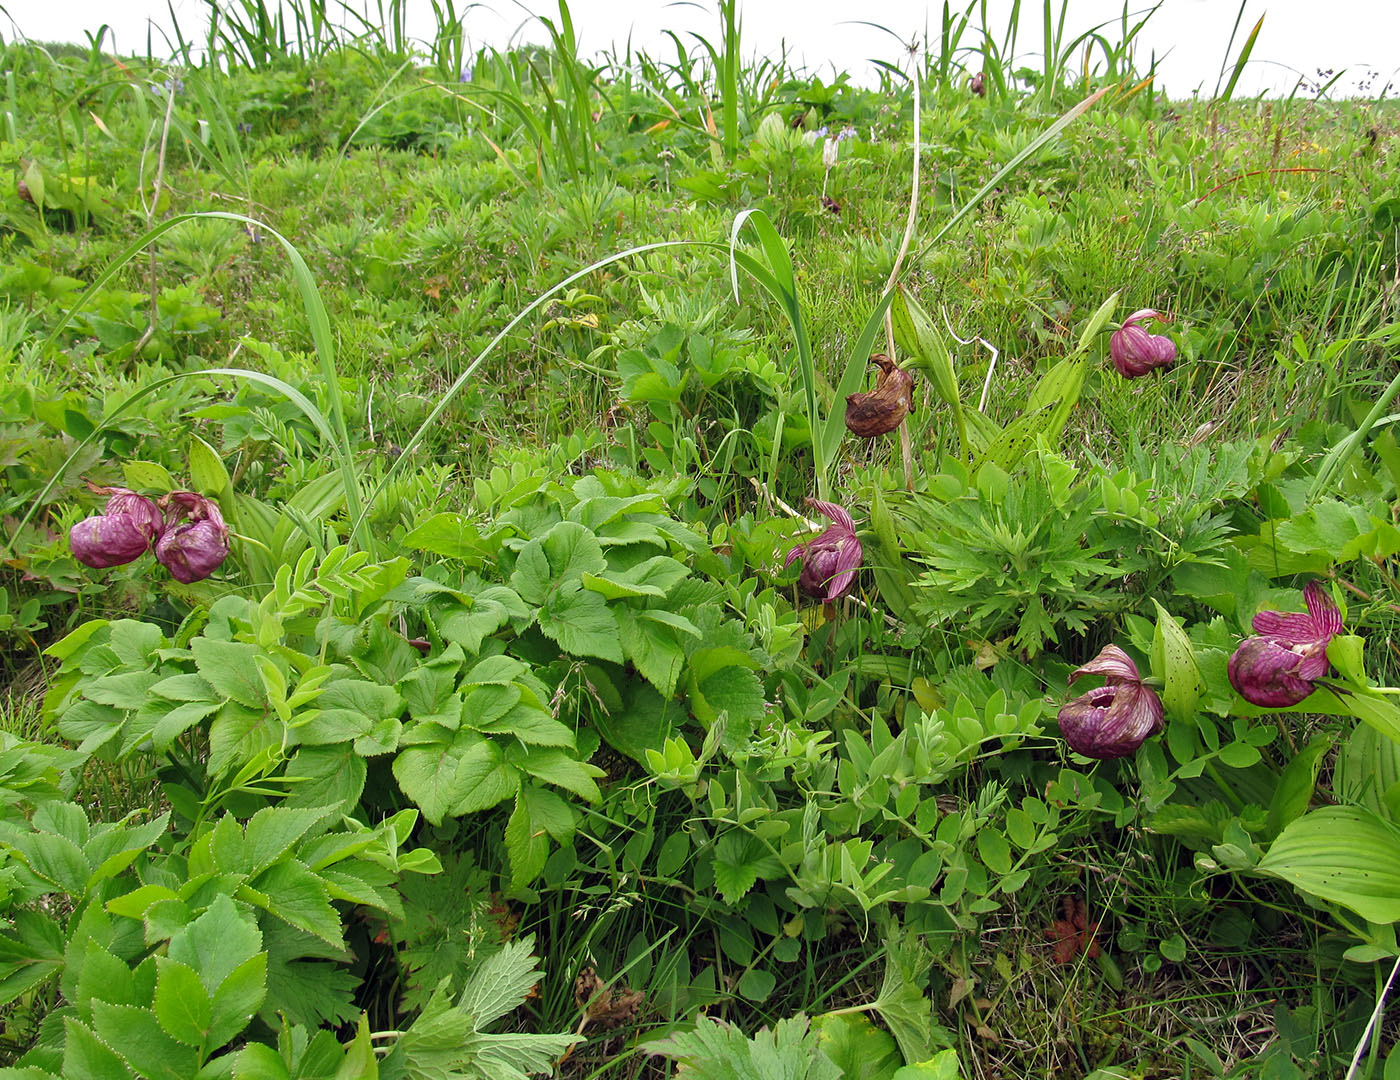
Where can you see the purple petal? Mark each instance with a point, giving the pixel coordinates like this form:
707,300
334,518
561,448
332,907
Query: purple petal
1288,627
1143,314
193,551
1112,662
1326,615
795,553
836,513
195,542
107,540
1312,660
143,512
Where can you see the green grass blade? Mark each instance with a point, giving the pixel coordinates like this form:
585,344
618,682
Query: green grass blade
1243,57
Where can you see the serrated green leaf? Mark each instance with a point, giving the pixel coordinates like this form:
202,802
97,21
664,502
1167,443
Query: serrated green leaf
87,1057
137,1036
558,768
581,622
181,1003
228,667
238,999
299,897
655,650
218,941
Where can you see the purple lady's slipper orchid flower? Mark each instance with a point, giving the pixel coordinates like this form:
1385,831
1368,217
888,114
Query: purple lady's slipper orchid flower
829,559
1114,720
195,541
1134,351
125,530
1278,668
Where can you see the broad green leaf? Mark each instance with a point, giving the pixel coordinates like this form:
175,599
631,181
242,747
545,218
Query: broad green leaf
427,772
539,814
228,667
531,724
1295,786
217,942
1345,855
207,473
238,999
483,779
610,588
732,690
655,650
181,1002
756,984
128,690
347,709
86,1057
1174,660
334,776
993,850
860,1049
56,859
299,897
942,1066
137,1035
1367,768
565,553
360,1062
268,836
258,1061
449,535
103,978
643,724
581,622
558,768
133,905
147,476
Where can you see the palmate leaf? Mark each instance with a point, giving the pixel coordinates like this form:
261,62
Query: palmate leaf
306,978
717,1051
446,1041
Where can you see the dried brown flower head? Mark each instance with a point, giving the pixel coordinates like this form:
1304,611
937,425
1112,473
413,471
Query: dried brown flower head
884,408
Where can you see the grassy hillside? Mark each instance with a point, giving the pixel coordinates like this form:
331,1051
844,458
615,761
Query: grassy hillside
495,656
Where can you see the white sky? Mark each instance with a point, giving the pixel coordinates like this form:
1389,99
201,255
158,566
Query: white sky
1299,36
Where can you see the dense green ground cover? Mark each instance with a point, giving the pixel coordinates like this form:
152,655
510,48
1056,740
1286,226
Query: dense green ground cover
504,742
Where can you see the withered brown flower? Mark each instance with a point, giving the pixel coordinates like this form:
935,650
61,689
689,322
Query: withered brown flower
884,408
978,85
